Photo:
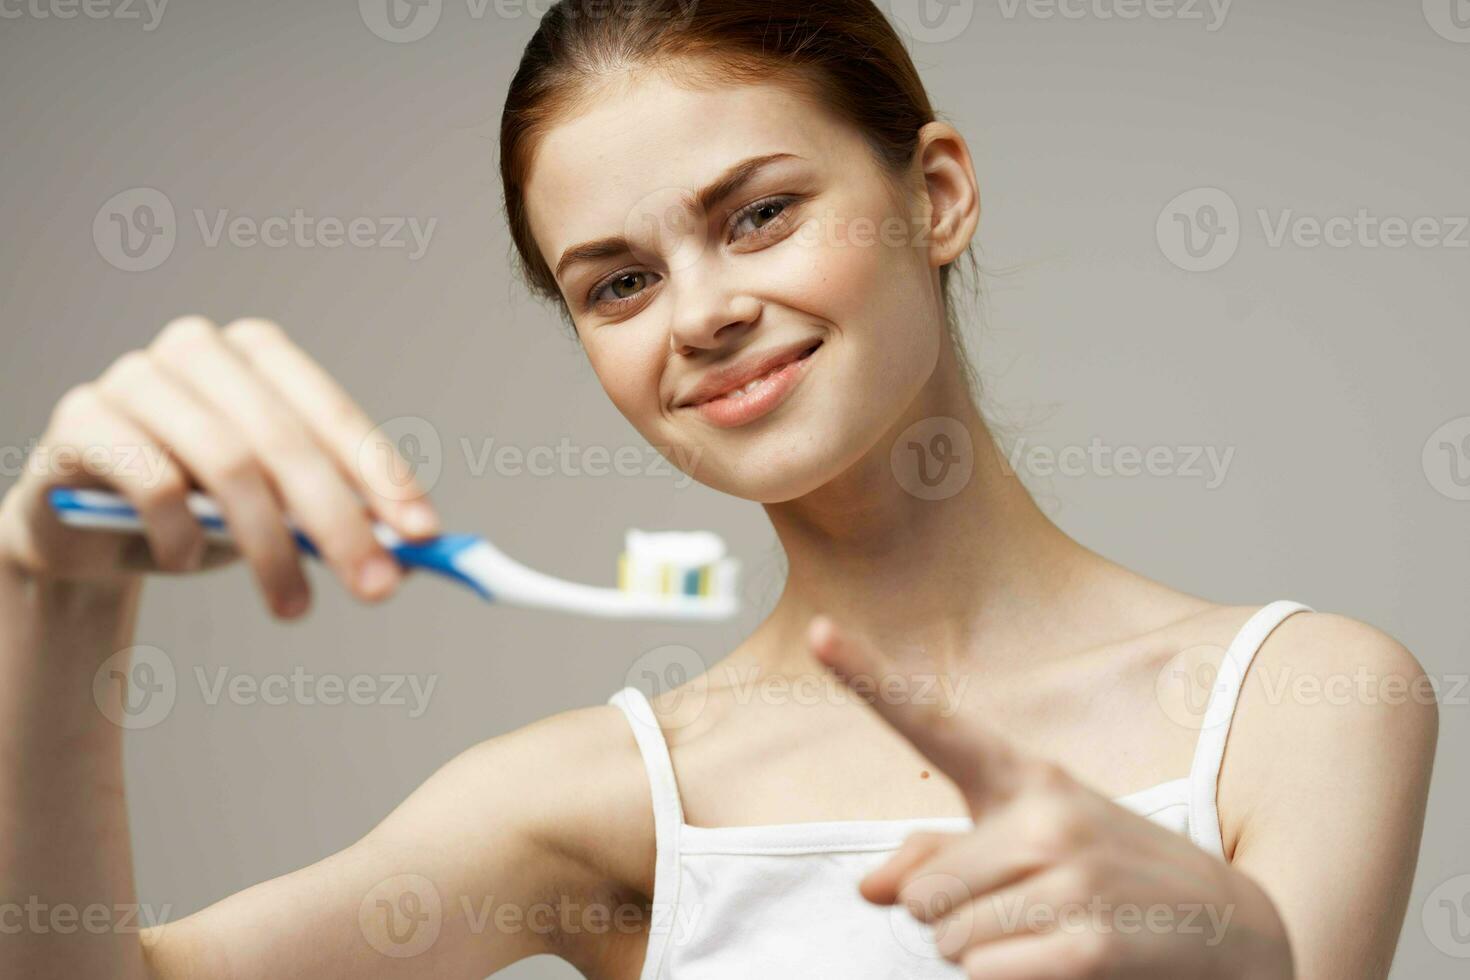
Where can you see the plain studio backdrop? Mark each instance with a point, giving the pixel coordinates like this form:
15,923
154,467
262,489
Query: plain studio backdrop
1193,380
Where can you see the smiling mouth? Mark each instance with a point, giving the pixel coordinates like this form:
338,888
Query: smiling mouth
756,384
758,397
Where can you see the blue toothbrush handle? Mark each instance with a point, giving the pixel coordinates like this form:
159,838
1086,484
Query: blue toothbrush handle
105,510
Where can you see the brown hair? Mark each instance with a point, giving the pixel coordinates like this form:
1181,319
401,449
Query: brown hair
841,55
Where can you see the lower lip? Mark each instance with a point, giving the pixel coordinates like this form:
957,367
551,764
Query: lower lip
727,413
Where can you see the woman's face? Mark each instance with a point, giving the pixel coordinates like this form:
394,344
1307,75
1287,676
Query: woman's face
807,262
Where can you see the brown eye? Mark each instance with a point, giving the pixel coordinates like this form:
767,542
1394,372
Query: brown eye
762,214
629,281
622,286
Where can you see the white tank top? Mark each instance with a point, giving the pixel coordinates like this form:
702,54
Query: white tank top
781,900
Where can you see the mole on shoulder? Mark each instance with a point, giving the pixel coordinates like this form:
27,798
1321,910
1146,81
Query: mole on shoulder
923,773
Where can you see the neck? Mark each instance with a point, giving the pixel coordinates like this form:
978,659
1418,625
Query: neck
929,581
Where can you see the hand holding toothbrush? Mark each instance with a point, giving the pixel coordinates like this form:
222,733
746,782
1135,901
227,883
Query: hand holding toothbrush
243,413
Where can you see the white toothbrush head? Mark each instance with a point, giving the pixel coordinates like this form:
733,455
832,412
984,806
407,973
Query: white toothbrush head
664,575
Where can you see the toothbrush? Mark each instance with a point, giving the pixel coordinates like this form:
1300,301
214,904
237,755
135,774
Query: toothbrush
673,575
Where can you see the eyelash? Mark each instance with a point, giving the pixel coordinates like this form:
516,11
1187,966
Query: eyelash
787,201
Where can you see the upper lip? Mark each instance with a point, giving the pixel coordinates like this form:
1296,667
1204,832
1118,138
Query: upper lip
719,381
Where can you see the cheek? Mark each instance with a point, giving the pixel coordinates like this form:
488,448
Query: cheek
628,367
870,280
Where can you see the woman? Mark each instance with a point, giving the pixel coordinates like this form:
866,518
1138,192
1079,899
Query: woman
967,758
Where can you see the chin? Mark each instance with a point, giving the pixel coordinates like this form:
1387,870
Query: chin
785,463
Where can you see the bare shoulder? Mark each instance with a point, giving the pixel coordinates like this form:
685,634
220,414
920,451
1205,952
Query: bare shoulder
1333,710
571,786
1324,674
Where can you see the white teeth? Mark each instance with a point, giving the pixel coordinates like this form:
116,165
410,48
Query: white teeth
751,386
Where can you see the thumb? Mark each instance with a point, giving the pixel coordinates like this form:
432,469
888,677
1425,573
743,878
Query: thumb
981,763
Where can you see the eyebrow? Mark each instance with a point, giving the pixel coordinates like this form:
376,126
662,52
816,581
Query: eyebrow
701,202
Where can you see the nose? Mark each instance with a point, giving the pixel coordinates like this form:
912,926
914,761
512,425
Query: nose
709,313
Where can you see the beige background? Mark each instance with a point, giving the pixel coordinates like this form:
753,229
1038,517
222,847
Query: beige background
1324,369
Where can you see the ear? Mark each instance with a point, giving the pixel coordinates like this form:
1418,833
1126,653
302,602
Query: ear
954,197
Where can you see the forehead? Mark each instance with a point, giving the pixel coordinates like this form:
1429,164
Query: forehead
643,135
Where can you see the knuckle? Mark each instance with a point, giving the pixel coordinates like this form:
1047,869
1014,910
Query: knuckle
234,467
78,400
250,331
1089,954
1082,878
1048,777
344,414
126,372
168,489
187,329
1052,827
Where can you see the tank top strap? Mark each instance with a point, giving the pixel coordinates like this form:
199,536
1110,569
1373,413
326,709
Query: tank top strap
668,818
1209,753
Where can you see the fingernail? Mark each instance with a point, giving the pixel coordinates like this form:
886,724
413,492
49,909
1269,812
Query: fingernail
194,557
419,518
377,575
294,604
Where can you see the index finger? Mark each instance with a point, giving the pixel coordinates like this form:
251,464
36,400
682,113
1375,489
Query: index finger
982,764
336,420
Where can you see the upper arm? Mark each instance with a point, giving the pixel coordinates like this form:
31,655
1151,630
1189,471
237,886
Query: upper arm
1324,788
441,887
